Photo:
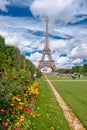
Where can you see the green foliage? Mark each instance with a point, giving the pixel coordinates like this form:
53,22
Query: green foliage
13,56
2,40
64,70
75,69
38,73
85,68
80,69
10,57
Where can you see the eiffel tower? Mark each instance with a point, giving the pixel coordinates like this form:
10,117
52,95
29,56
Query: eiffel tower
47,52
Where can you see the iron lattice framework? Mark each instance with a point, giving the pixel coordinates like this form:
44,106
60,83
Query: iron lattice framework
47,52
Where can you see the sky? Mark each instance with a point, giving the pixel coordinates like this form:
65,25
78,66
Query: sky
22,23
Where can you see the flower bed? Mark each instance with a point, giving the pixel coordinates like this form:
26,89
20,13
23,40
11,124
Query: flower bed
16,103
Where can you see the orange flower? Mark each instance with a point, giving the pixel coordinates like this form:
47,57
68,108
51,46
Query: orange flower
17,95
15,77
5,123
3,110
20,107
13,112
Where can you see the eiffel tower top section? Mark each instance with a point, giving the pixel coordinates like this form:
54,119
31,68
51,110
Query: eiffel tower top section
47,45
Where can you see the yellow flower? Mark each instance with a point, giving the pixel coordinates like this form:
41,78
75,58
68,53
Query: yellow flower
33,89
25,94
52,128
16,98
18,123
21,103
21,118
12,104
13,98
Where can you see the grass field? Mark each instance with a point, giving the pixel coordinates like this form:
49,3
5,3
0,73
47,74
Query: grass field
75,95
51,116
55,77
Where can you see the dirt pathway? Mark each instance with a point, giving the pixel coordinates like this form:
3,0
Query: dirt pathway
73,121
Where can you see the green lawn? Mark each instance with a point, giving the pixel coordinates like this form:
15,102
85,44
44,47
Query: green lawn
51,116
55,77
75,94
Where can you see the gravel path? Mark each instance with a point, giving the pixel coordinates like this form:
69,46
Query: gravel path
73,121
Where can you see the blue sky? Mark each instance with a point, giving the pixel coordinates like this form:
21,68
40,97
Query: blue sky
22,23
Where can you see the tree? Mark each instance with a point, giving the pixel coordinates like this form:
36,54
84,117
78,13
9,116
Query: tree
2,55
75,69
2,40
81,69
85,68
61,70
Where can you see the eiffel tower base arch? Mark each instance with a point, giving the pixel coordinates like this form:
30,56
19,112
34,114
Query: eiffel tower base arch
48,64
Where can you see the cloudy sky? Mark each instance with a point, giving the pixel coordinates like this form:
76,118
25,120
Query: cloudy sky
22,23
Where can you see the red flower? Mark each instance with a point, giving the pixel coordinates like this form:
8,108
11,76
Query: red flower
29,110
30,99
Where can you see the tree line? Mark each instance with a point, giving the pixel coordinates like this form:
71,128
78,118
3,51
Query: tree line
11,59
75,69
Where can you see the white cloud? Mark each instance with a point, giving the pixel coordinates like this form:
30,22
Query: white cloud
3,4
77,61
64,10
64,62
21,33
79,52
35,57
47,8
57,44
26,49
4,33
12,40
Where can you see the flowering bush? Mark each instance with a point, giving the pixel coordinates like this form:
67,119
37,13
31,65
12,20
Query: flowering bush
16,102
18,90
